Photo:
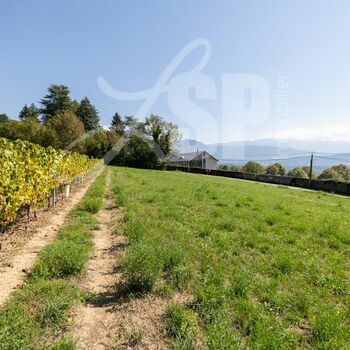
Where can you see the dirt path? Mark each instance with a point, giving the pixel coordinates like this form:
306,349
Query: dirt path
112,319
13,271
93,322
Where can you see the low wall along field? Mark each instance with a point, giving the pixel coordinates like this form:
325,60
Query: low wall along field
318,185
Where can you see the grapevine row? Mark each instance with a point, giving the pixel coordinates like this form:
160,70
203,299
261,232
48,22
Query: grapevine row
29,172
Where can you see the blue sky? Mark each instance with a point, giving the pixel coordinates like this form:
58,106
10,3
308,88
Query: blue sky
130,43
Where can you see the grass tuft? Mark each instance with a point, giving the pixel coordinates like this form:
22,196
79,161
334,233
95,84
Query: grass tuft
181,325
142,267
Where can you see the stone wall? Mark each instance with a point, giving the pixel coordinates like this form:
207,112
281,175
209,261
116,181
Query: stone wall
318,185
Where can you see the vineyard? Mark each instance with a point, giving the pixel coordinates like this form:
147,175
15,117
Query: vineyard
29,173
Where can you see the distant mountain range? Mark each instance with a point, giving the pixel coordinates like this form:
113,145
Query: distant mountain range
290,153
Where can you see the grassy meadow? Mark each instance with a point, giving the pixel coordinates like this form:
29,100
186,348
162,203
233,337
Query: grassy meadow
267,267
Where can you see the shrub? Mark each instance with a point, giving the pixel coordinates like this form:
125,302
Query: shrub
254,167
343,171
307,170
298,172
276,169
330,174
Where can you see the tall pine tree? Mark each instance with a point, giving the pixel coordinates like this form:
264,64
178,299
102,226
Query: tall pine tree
117,124
56,101
88,114
30,113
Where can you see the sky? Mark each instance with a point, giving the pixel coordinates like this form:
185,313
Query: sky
221,70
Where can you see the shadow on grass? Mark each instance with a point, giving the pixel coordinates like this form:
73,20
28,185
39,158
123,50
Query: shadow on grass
116,296
117,247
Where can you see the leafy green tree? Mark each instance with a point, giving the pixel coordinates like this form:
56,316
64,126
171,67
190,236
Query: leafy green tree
117,124
343,171
112,138
96,145
28,131
30,113
137,153
307,170
163,133
276,169
330,174
298,172
338,172
253,167
74,106
88,114
4,118
133,126
68,130
56,101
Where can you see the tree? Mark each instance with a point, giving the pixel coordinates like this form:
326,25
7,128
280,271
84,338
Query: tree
253,167
29,131
163,133
96,145
68,130
330,174
343,171
137,153
74,106
307,170
4,118
55,102
338,172
30,113
298,172
88,114
236,168
276,169
117,124
112,138
133,126
223,167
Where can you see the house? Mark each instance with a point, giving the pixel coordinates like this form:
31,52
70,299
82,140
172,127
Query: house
201,159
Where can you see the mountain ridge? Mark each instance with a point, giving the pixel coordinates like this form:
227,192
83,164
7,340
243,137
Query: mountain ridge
264,147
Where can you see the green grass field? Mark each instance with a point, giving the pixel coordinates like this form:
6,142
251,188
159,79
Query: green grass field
268,267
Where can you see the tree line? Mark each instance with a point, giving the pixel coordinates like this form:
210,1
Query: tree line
339,172
65,123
